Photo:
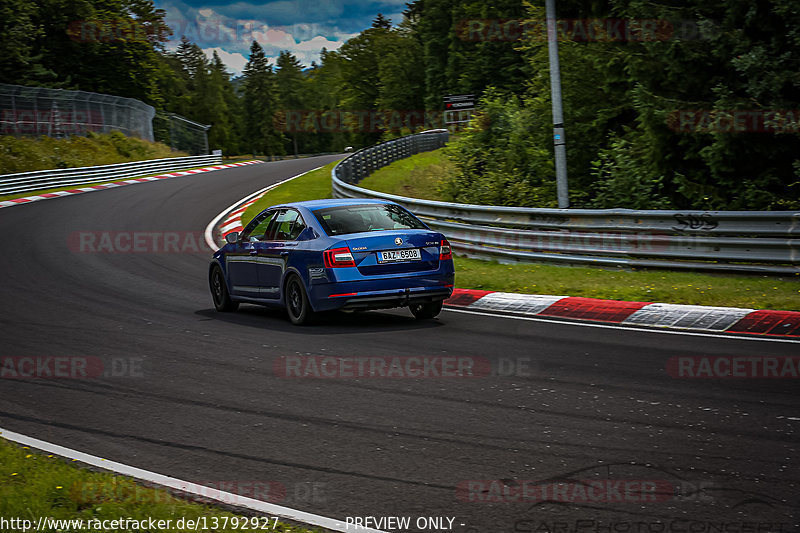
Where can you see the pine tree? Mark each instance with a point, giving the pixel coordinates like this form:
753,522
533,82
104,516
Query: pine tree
261,102
433,27
192,58
291,89
381,22
214,106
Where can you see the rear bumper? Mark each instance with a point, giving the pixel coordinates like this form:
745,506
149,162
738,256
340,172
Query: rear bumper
365,295
395,299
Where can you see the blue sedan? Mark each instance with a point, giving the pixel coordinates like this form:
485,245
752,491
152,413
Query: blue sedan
324,255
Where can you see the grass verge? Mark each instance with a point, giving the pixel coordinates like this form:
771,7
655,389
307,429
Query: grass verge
758,292
312,186
677,287
418,176
34,485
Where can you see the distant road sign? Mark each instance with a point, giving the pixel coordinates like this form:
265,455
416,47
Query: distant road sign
458,97
458,102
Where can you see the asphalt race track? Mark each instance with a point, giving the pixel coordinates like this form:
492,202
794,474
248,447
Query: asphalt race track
193,393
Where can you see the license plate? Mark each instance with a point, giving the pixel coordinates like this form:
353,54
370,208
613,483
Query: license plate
406,254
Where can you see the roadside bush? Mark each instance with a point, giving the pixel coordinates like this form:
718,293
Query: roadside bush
621,180
498,160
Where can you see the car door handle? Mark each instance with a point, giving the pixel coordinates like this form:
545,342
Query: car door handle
285,253
253,252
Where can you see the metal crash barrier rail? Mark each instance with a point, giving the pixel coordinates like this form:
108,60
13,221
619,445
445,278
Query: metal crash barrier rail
739,241
46,179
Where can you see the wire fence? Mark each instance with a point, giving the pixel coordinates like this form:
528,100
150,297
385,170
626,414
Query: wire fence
35,111
180,133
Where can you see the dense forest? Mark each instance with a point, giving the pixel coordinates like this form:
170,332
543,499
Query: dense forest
667,104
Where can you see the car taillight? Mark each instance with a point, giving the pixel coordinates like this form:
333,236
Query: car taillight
338,257
444,251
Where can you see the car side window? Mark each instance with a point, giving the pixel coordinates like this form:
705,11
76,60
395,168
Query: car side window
288,225
257,229
271,232
298,227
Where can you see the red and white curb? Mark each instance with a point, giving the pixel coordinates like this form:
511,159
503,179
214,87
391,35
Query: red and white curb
658,315
230,219
671,316
233,222
228,499
121,183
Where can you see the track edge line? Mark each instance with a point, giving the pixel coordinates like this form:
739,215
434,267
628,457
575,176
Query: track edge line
184,486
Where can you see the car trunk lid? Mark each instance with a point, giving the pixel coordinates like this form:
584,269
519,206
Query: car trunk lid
366,248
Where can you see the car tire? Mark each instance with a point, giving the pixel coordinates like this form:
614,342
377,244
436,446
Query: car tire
219,291
426,311
297,305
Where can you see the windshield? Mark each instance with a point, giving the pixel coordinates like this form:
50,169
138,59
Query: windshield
371,217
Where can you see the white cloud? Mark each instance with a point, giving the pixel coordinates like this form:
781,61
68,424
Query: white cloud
234,61
274,38
231,38
318,43
305,51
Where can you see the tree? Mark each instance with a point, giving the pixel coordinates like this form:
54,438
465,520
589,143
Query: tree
291,88
108,47
213,106
401,91
381,22
19,29
191,57
434,24
261,102
323,95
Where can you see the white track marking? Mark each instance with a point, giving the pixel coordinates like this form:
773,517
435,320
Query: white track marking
626,328
243,502
520,303
688,316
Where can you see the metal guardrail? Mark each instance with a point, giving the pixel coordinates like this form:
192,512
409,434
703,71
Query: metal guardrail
739,241
48,179
367,160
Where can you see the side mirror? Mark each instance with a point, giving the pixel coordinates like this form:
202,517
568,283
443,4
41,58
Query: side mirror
232,237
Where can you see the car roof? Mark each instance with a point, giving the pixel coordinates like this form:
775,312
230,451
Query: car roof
313,205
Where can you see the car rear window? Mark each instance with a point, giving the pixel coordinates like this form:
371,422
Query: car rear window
346,219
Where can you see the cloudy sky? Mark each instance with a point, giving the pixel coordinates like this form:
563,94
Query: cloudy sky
303,27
